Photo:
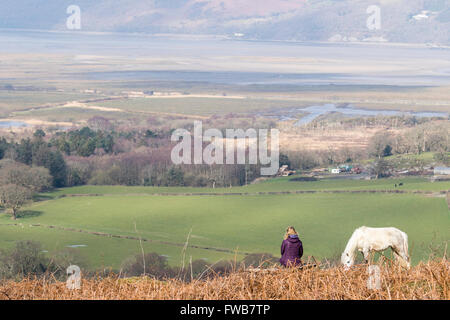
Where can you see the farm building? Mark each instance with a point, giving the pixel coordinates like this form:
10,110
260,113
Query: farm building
442,171
356,170
335,170
345,168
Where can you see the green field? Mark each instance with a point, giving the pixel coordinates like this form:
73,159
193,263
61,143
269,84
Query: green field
137,107
248,223
271,185
12,103
197,105
58,114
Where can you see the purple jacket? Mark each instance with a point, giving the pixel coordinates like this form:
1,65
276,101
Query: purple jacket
291,251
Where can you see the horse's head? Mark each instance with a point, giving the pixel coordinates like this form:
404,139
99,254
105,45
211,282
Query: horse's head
346,260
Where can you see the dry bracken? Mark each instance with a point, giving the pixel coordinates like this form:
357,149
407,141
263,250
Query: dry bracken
430,280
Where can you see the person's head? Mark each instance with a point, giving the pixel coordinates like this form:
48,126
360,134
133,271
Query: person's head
290,231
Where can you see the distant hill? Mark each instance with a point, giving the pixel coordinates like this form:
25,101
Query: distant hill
413,21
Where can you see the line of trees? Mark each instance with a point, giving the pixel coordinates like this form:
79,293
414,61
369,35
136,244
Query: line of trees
83,142
155,169
339,121
134,158
104,154
427,137
36,152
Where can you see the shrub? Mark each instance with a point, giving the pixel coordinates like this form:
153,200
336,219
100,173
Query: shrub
24,260
263,260
194,270
27,259
151,264
303,179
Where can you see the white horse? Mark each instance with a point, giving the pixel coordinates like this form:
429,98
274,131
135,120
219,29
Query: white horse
367,240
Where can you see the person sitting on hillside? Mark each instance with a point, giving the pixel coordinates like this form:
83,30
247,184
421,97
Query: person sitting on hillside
291,249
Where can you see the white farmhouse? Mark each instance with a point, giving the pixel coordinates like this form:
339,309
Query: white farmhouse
442,171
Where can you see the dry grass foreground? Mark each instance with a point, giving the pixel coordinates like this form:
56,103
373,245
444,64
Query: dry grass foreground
429,280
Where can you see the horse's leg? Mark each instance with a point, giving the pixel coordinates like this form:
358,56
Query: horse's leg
362,253
366,254
371,256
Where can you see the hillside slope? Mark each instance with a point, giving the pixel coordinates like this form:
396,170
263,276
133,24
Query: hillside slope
414,21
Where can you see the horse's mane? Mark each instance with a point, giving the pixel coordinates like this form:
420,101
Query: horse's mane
352,244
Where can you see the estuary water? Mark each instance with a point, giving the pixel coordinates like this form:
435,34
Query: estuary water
12,124
217,59
315,111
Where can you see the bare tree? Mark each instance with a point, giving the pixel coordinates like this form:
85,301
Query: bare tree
99,123
380,145
36,179
18,183
13,197
381,168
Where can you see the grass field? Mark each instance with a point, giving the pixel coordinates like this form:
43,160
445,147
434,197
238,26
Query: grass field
198,105
16,101
242,223
138,107
271,185
99,252
58,114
